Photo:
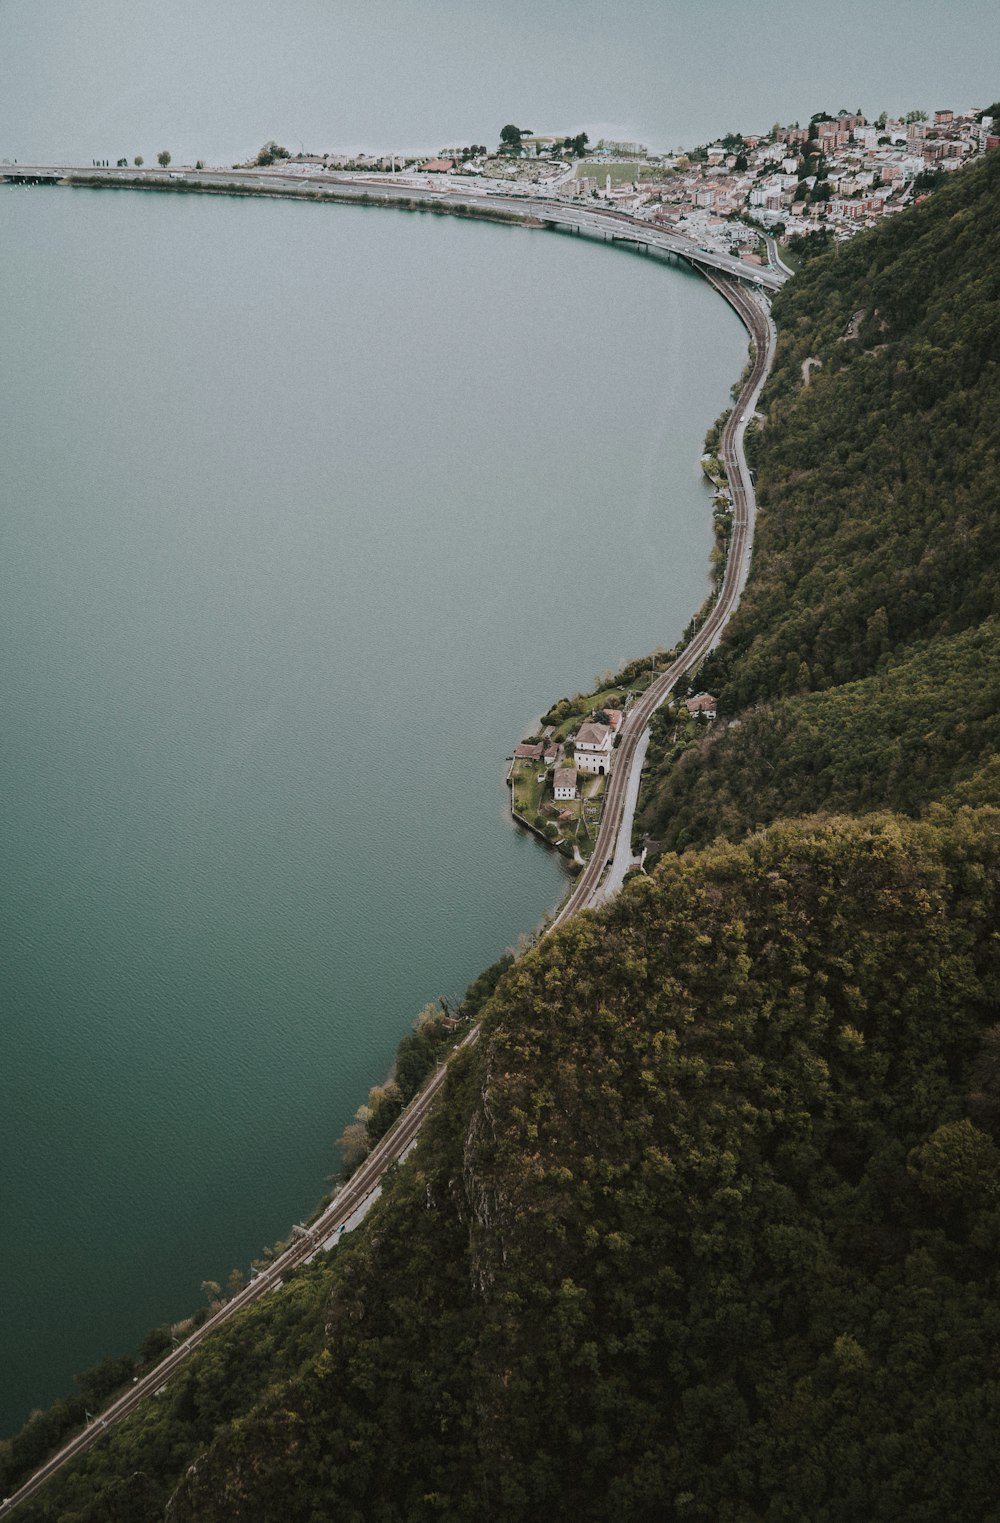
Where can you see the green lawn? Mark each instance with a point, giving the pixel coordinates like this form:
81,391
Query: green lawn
528,795
527,791
621,174
584,704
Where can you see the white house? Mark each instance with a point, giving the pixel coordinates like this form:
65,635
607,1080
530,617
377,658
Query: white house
565,782
701,703
592,748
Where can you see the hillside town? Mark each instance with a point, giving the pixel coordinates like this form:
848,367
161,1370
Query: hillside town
840,173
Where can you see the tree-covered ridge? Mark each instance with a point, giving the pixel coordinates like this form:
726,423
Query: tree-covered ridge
706,1230
878,544
878,482
920,731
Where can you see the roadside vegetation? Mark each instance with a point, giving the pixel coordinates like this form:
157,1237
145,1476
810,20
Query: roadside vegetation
435,1031
861,662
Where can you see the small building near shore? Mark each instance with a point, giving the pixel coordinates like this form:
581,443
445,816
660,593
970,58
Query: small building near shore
564,783
701,704
592,748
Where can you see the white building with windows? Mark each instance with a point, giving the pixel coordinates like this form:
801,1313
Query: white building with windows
592,748
564,783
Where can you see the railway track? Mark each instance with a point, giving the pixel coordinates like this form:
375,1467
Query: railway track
587,887
584,894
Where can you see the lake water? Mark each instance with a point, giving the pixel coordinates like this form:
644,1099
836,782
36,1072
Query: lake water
307,512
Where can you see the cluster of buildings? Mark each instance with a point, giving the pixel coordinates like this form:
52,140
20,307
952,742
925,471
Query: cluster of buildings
843,173
588,751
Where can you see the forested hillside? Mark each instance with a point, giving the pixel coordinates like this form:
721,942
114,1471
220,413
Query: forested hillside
706,1227
926,728
878,538
880,520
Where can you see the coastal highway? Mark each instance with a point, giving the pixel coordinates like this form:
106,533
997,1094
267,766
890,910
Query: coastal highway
612,849
589,890
774,256
532,207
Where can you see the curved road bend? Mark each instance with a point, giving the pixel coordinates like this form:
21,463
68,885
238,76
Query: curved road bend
587,892
616,820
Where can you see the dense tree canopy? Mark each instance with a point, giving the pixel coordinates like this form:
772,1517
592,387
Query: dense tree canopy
878,540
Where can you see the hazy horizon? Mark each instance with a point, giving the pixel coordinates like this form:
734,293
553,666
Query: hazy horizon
214,82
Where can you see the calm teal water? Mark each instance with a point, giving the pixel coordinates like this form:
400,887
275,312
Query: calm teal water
307,513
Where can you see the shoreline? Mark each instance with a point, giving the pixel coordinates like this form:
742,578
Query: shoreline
702,633
613,846
514,208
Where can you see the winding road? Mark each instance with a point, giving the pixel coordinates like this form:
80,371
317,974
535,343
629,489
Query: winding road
593,886
612,852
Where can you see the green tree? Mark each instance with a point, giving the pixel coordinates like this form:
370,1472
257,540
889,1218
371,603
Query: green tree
270,152
958,1164
155,1344
139,161
163,157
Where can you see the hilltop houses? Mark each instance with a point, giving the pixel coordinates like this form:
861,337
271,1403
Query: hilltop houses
843,173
